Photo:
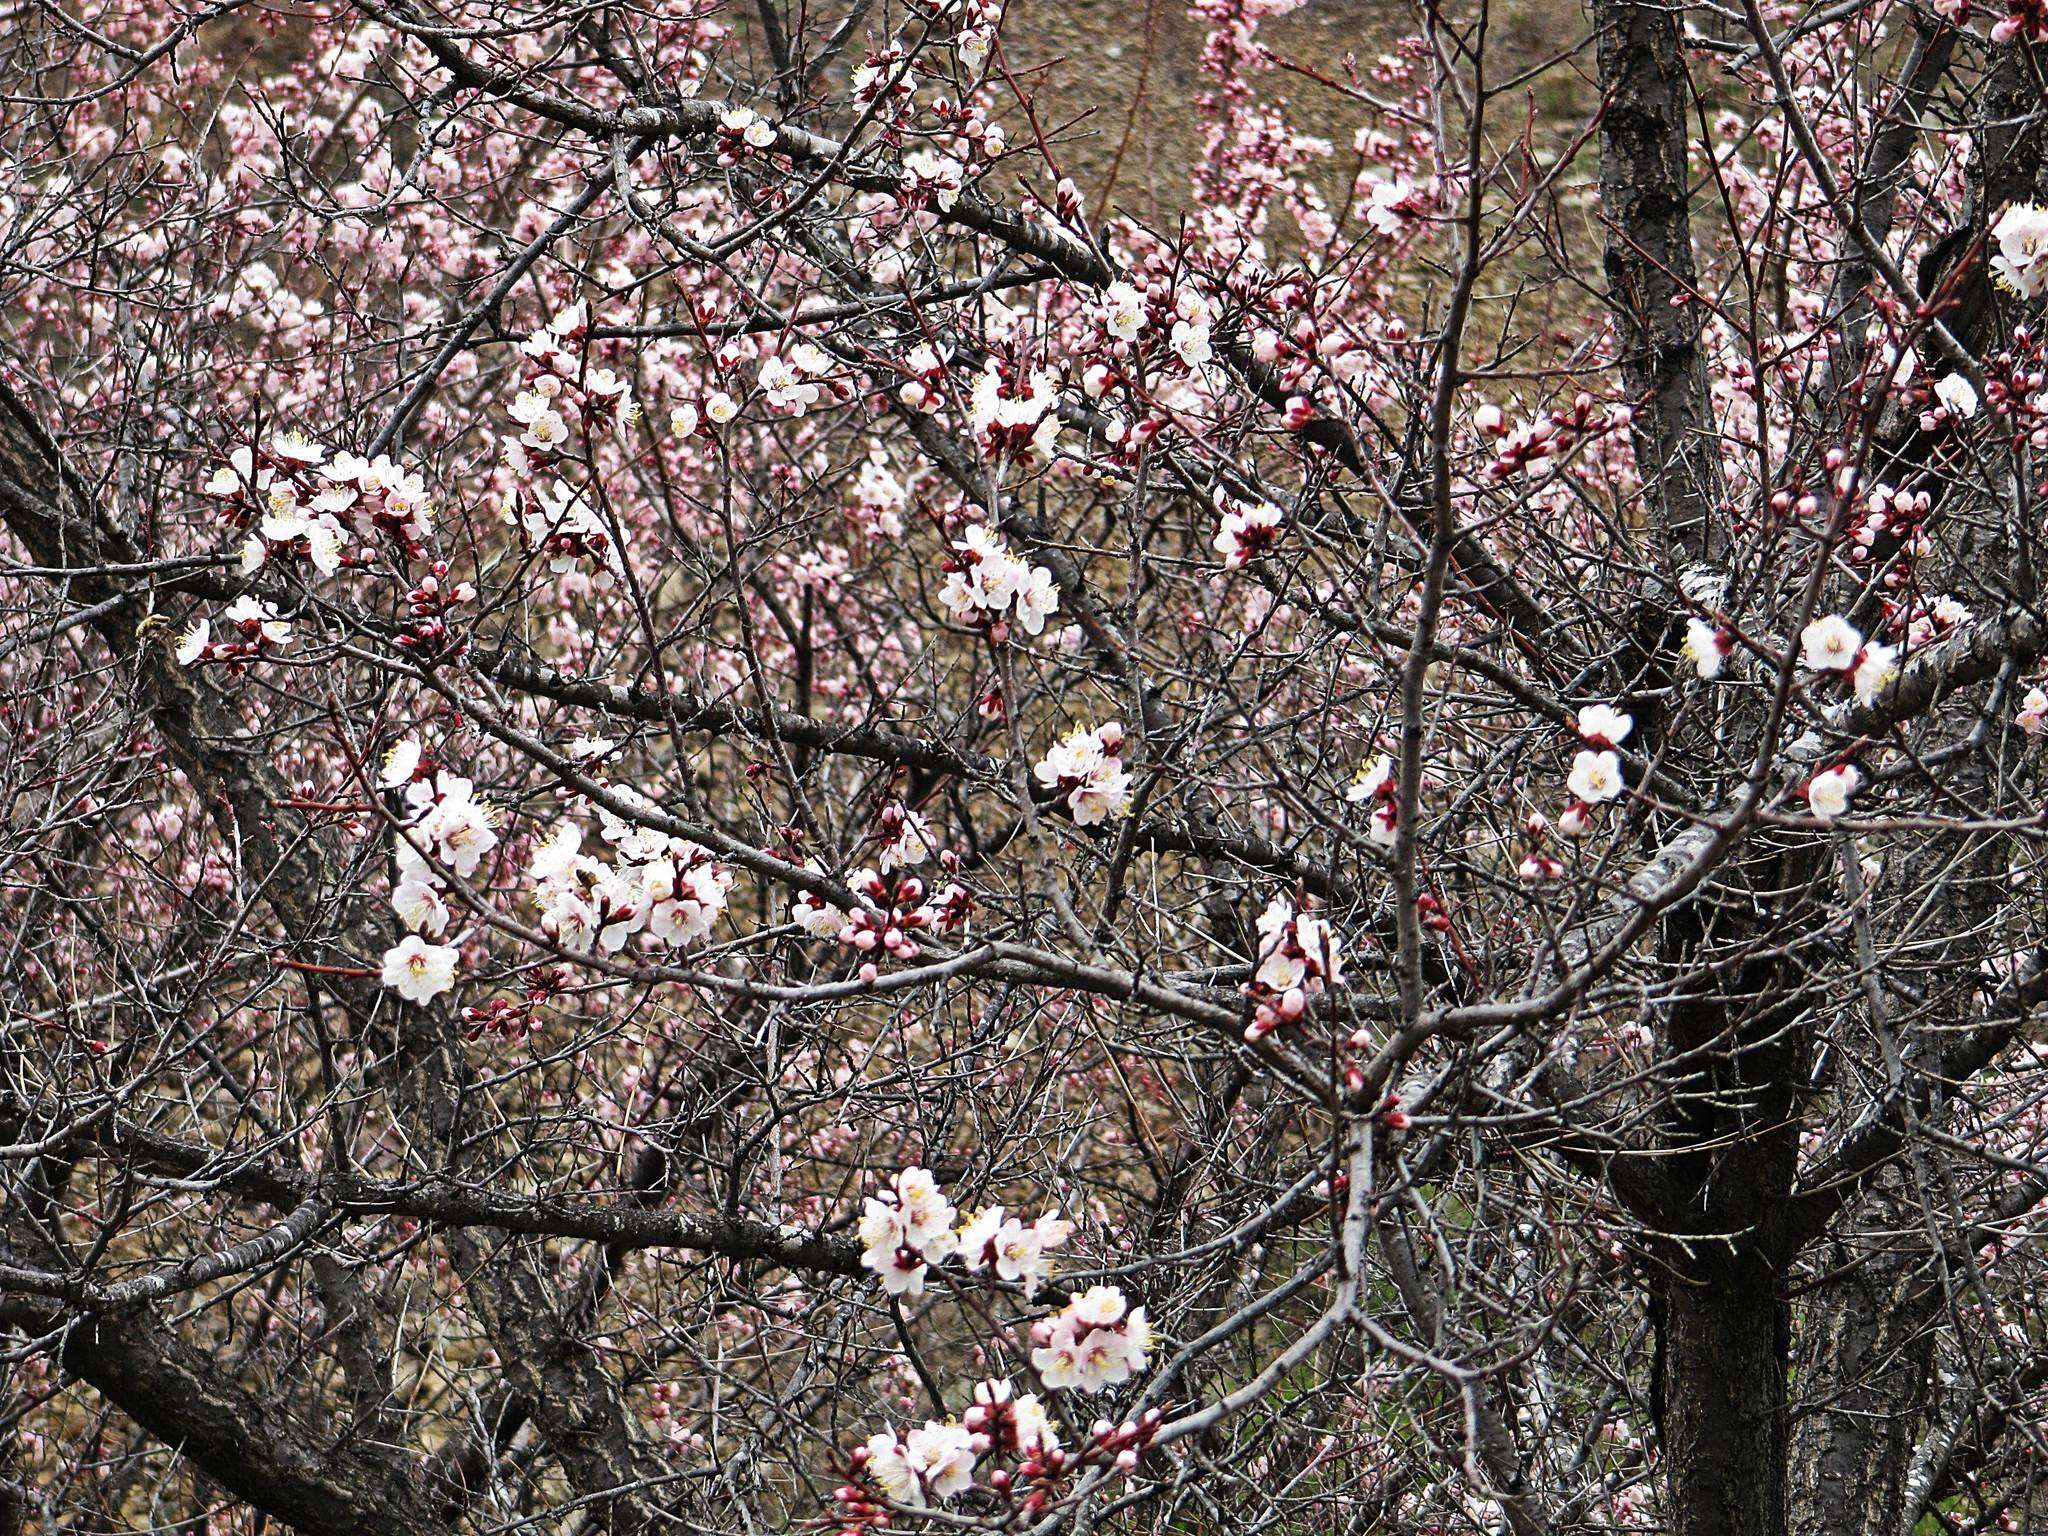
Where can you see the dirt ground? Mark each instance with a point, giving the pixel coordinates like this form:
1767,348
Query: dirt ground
1125,74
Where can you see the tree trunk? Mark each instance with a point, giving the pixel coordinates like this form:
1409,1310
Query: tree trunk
1721,1401
1864,1357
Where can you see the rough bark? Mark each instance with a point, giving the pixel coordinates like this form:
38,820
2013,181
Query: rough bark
1721,1398
1651,274
256,1452
1864,1356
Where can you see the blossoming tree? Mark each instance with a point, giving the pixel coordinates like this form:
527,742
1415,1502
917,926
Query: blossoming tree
724,812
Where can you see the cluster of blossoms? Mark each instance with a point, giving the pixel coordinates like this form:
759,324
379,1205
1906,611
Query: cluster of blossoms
2033,713
427,607
902,908
932,179
1537,865
1955,399
1833,644
667,888
560,523
1122,312
2015,379
298,504
971,44
251,628
1596,775
916,1469
740,130
1085,771
905,1228
1248,530
1016,1250
561,397
1194,316
292,511
1899,517
1299,955
447,828
923,1466
560,393
1097,1340
1014,414
786,383
1375,786
1530,446
909,1227
884,76
988,586
906,837
2026,19
1927,620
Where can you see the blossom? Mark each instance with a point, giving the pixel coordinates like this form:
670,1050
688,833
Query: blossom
1828,792
1374,785
1018,1251
1374,781
258,620
1957,395
1705,647
1123,311
547,432
1247,531
193,643
786,391
934,1462
1830,644
419,906
1876,665
1035,600
2022,236
1388,203
1084,769
1095,1341
557,854
240,474
1601,726
1596,776
2033,715
418,971
401,765
297,448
